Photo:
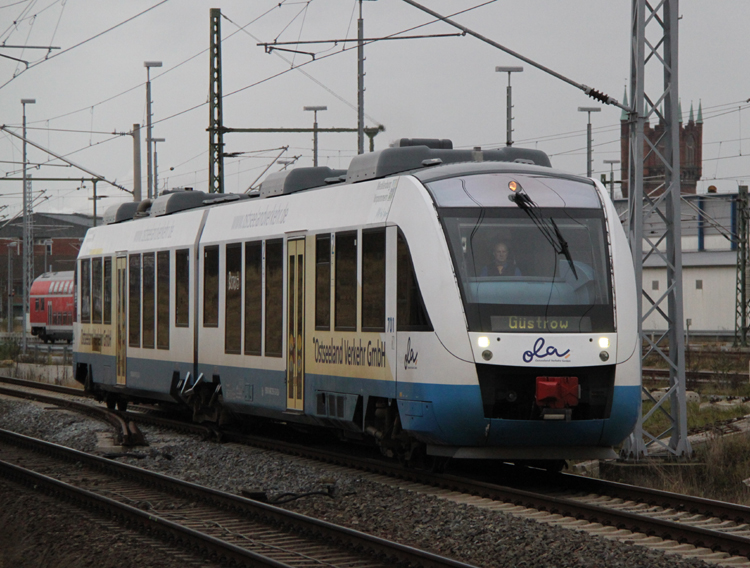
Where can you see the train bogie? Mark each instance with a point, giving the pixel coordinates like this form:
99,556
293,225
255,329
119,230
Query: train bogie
366,306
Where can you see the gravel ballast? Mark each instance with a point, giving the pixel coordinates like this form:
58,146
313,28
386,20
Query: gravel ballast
463,532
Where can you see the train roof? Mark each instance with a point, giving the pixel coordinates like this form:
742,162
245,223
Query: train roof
417,156
63,275
53,283
427,175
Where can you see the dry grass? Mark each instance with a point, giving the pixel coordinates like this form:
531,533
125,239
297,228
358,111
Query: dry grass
721,466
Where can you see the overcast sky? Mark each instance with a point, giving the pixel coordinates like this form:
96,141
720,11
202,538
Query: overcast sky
94,85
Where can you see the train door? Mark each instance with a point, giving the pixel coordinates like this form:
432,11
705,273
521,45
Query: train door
295,375
121,280
49,312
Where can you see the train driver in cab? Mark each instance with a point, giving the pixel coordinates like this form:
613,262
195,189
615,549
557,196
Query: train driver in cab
502,263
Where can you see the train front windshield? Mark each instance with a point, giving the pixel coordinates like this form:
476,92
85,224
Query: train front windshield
539,268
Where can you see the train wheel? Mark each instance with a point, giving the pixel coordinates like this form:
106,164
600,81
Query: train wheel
437,464
122,404
555,466
111,402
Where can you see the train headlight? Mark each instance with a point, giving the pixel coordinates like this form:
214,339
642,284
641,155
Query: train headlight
486,354
604,356
604,342
483,342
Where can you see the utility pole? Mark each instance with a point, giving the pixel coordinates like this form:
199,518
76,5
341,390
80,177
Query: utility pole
360,83
216,126
28,242
11,292
137,163
743,264
612,177
47,250
156,167
509,110
149,160
588,110
660,211
96,198
315,110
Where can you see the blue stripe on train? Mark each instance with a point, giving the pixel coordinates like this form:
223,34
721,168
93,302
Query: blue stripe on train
441,414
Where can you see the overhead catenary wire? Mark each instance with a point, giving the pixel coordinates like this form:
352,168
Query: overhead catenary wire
85,41
726,111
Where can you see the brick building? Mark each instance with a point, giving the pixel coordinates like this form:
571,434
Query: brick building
691,154
57,238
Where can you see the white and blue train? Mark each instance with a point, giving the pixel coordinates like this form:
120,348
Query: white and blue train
439,302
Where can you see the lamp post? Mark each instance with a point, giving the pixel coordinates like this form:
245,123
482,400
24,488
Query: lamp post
588,136
509,111
612,176
315,110
156,166
14,244
28,246
148,65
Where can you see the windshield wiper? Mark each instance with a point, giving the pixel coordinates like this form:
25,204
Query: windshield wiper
553,236
564,248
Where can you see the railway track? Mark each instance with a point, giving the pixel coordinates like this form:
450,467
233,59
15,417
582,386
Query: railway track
694,526
126,432
218,525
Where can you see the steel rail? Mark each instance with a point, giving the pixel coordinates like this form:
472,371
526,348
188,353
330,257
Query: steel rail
134,517
45,386
390,552
656,497
680,532
126,431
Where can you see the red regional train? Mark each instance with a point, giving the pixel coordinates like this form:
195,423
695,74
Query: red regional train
52,306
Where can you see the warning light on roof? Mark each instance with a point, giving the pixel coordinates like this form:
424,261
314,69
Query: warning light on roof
512,185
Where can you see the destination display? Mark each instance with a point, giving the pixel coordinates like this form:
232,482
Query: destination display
554,324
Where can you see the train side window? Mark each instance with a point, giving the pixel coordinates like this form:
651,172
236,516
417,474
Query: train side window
162,299
134,300
211,286
373,280
323,282
253,297
149,299
274,297
410,311
86,291
233,313
107,290
346,281
182,288
96,290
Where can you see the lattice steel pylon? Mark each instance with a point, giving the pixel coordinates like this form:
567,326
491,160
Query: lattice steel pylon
743,265
660,210
216,127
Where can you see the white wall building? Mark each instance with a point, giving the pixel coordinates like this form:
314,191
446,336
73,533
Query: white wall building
709,266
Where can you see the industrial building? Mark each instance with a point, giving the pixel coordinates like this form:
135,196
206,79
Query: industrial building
57,238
